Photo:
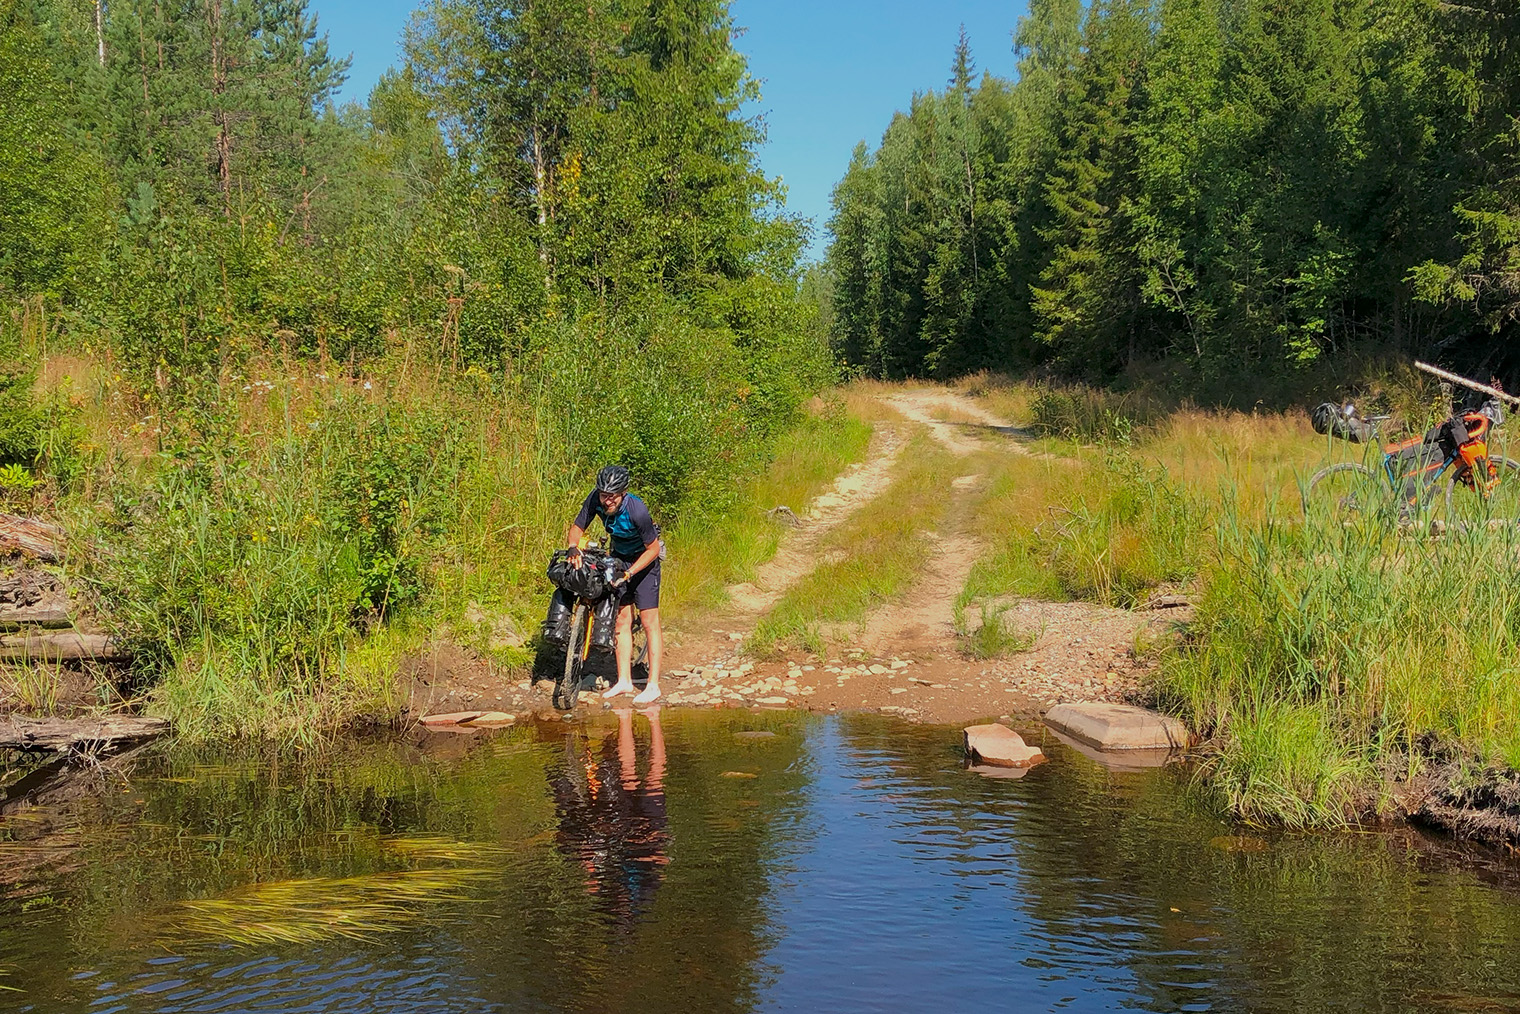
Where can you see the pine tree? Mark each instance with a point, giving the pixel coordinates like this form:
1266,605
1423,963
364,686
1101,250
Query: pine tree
1085,298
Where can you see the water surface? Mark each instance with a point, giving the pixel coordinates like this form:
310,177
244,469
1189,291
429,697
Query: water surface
720,862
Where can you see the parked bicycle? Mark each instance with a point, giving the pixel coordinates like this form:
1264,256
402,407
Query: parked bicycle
582,618
1458,453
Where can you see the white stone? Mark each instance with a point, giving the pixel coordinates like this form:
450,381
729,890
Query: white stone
999,746
1119,727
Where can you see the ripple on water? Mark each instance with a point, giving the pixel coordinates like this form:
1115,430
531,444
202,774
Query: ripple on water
613,866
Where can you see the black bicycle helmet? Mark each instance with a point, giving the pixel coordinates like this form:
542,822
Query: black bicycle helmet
612,480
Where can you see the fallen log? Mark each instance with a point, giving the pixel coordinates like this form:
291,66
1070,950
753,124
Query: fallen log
69,647
105,732
32,537
52,617
1452,378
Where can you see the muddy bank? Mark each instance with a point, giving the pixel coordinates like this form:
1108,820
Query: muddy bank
1452,793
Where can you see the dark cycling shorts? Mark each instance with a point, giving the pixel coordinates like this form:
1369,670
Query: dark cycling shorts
643,589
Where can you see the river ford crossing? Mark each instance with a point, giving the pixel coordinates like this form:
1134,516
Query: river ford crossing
720,861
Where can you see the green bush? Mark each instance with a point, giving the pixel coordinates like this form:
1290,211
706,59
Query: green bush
1092,415
21,420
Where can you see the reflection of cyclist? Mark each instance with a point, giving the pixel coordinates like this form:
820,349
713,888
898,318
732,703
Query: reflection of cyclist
616,827
636,541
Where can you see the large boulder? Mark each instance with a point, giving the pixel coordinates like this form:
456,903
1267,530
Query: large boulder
999,746
1119,727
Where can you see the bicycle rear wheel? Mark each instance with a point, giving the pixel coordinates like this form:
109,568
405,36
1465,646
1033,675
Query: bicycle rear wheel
1502,502
567,690
1341,491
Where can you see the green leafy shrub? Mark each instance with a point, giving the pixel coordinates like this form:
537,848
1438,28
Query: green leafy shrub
1092,415
21,420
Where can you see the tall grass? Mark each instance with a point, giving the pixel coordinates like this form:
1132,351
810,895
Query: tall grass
1099,527
271,539
1323,652
724,547
1323,655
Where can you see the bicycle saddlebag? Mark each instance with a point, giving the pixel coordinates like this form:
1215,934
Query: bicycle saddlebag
1330,419
556,628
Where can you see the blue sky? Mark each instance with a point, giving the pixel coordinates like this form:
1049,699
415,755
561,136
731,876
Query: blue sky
832,71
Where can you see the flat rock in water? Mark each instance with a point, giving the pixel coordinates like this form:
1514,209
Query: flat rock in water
999,746
1119,727
452,718
491,720
1120,760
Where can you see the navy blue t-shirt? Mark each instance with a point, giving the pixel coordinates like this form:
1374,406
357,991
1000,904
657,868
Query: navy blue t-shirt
630,529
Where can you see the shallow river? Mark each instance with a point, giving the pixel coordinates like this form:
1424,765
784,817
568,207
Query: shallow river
720,862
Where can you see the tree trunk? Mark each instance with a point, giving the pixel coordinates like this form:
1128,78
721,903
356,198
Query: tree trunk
100,31
68,647
218,110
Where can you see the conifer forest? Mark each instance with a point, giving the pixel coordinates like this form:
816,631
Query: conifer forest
1196,191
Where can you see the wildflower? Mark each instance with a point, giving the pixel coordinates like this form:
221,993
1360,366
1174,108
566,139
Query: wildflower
367,385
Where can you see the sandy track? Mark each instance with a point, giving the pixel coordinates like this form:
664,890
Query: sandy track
798,554
920,405
906,658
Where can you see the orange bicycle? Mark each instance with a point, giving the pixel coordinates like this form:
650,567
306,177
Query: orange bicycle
1459,453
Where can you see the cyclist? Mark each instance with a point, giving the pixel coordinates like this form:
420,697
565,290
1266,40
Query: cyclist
636,541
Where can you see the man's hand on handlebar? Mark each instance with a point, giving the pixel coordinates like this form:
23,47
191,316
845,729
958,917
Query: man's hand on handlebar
573,554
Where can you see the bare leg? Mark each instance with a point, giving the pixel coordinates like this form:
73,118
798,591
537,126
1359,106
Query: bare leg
655,780
627,749
651,621
624,643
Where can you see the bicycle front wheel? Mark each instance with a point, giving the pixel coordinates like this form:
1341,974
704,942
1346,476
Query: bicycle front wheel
567,691
1340,491
1501,503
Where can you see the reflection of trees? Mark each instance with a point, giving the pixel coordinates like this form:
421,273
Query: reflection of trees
511,911
1130,868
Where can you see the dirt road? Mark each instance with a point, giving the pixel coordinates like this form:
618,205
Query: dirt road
906,657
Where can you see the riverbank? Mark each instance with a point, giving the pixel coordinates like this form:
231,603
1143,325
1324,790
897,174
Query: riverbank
1045,546
1166,562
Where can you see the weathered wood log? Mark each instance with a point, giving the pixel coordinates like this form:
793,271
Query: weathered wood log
52,617
19,733
69,647
32,537
1492,392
